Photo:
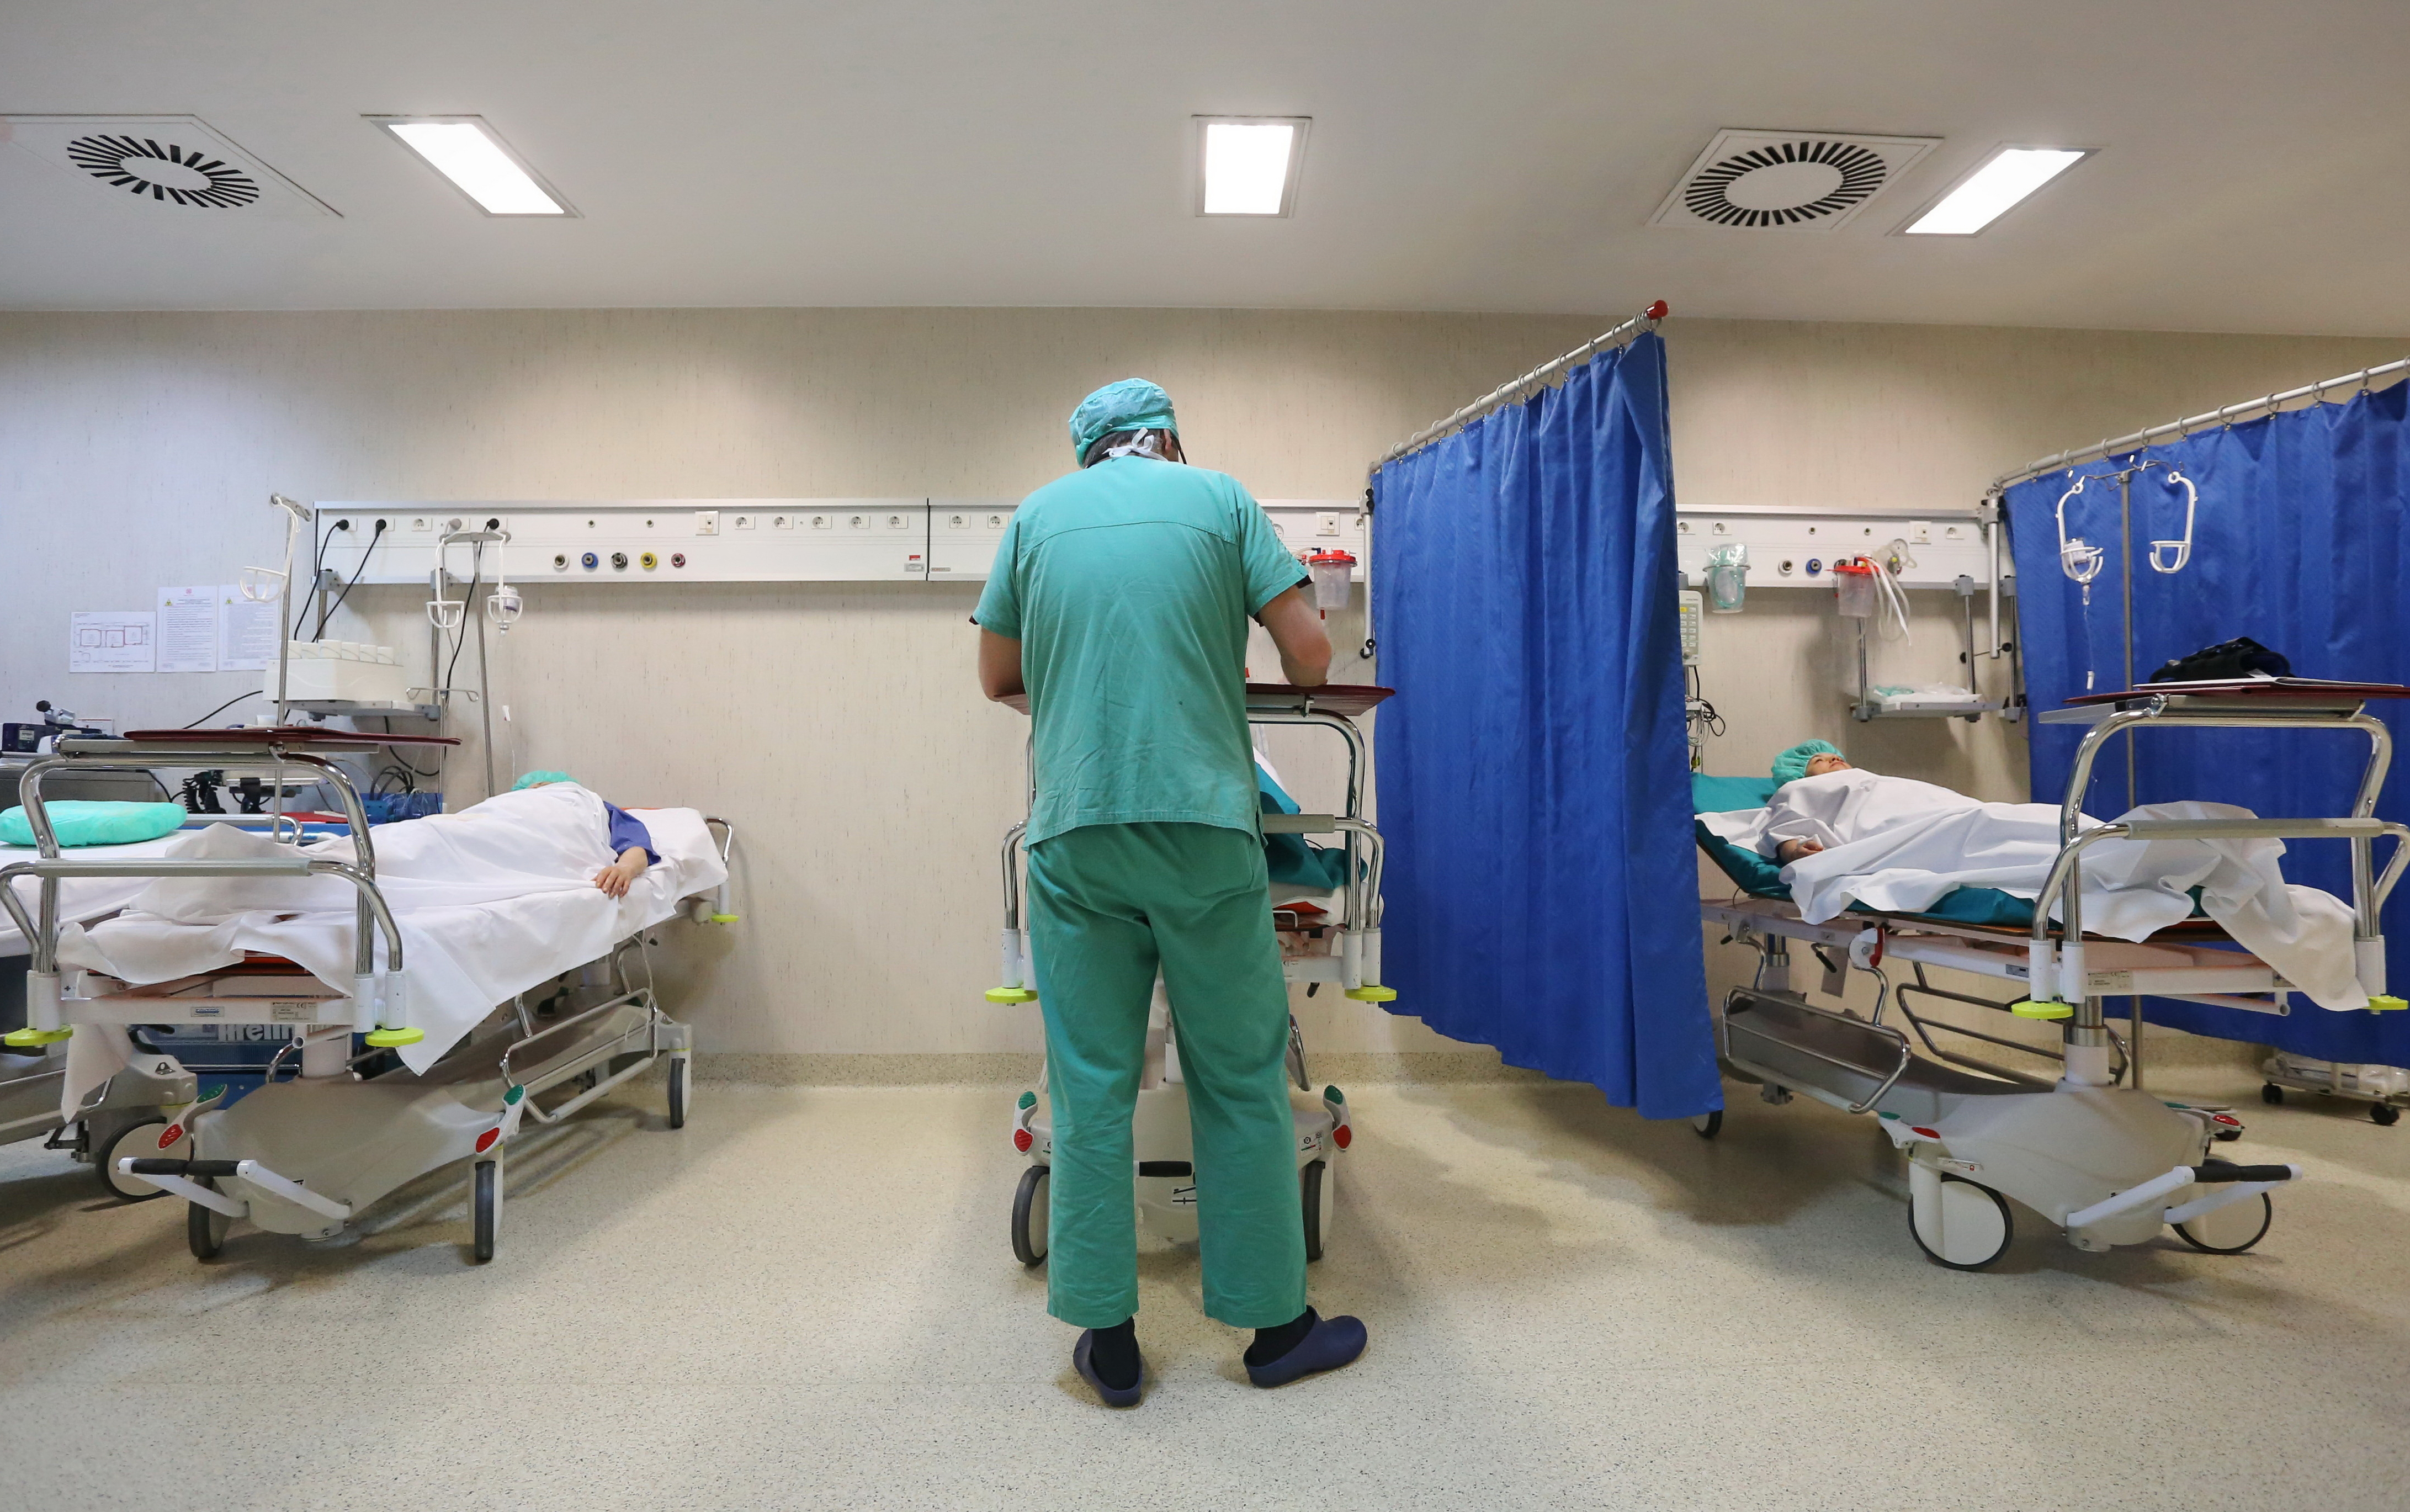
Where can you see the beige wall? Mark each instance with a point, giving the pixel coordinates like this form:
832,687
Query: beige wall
838,725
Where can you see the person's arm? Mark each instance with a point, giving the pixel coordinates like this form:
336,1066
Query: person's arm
999,666
1297,630
633,845
1790,851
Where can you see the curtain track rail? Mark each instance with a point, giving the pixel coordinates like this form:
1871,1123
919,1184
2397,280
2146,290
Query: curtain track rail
1623,335
2178,429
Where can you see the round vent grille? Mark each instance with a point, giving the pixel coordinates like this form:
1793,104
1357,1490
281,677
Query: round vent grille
1788,183
165,172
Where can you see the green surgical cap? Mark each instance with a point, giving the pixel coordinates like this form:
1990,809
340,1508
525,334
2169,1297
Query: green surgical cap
1792,765
1131,405
537,779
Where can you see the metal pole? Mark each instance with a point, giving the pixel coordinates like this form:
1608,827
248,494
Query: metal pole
2178,429
2126,567
1620,336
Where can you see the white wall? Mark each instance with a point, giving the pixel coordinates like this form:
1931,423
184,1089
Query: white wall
838,724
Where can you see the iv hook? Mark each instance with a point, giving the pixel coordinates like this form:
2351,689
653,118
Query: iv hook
2170,556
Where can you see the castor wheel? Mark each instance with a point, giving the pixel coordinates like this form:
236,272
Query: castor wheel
1958,1223
677,1092
2272,1095
484,1208
2384,1114
1029,1213
1313,1191
1707,1125
2230,1229
205,1228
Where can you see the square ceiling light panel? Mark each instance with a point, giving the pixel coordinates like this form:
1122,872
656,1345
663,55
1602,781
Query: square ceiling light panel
2004,182
472,157
1247,164
1788,181
170,163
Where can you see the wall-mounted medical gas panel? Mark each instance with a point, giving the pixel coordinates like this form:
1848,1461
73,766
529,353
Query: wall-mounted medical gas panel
728,540
1792,548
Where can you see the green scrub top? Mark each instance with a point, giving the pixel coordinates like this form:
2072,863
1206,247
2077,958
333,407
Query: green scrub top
1129,585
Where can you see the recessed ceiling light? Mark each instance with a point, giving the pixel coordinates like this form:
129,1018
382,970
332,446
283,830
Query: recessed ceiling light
467,151
1247,164
1987,193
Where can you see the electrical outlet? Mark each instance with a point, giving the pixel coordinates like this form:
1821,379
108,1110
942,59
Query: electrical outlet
706,522
1327,524
857,522
820,522
1920,532
420,522
958,522
782,522
899,521
995,522
744,522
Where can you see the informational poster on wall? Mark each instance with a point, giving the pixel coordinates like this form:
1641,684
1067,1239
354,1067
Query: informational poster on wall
188,629
246,631
113,640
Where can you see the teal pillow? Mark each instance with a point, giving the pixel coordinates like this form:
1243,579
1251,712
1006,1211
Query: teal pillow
79,822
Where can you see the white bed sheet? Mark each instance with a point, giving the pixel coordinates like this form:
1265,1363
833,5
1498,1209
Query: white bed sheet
80,897
490,902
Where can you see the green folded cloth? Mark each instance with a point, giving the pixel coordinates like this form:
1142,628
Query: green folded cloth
78,822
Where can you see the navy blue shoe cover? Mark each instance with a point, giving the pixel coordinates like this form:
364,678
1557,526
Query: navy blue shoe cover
1332,1342
1125,1396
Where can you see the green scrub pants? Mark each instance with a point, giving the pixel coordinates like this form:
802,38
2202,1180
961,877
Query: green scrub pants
1107,902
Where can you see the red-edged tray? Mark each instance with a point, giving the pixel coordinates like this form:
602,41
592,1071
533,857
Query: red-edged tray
281,735
2272,688
1346,699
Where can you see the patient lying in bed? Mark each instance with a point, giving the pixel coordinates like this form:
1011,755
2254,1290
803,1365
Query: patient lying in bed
1847,836
631,844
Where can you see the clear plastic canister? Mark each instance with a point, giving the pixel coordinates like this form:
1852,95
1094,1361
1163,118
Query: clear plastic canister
1854,582
1330,570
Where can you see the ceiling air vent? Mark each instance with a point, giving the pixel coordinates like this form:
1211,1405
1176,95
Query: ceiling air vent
175,162
1788,181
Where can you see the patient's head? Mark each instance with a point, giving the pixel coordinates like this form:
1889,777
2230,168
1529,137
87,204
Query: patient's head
541,779
1810,758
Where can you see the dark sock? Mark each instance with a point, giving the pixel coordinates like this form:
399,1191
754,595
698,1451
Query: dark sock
1270,1344
1113,1354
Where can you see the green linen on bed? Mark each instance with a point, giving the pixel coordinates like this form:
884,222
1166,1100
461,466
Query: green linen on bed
79,821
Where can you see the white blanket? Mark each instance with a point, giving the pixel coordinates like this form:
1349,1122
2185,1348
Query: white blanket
80,897
490,902
1898,845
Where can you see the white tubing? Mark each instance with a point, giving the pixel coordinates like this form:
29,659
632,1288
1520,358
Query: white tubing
2131,1197
364,1004
292,1191
1351,960
191,1191
1370,956
2038,972
2088,1066
2226,1192
2071,985
2369,957
1009,964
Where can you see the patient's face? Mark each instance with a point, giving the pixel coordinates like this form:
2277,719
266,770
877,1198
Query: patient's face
1818,765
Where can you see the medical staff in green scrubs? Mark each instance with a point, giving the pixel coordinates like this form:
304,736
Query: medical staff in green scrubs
1118,604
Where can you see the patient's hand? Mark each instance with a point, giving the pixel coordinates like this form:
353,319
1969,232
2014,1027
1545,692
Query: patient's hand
616,877
1790,851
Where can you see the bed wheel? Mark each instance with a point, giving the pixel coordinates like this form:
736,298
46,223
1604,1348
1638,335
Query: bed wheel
2271,1094
1707,1125
1314,1193
678,1091
1960,1224
485,1207
2230,1229
1029,1214
205,1229
2384,1114
104,1160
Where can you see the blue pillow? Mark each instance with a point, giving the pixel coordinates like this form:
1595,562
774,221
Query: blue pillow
79,822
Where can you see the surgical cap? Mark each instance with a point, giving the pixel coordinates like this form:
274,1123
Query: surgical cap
537,779
1131,405
1792,765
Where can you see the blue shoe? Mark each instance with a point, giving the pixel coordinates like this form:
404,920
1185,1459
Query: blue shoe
1332,1342
1122,1396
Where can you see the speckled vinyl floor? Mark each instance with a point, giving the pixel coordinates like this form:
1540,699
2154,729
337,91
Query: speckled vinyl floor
806,1299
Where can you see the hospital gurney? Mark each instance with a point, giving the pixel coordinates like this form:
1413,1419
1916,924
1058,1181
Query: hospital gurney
305,1156
1341,945
2089,1149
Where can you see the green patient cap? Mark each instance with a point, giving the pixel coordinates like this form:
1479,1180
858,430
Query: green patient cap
1131,405
539,778
1792,765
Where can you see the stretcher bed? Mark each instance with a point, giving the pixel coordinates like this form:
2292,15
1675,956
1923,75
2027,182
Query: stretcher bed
2082,1143
399,1060
1328,936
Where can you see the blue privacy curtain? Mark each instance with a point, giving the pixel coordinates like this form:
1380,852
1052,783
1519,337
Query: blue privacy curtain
2301,543
1533,771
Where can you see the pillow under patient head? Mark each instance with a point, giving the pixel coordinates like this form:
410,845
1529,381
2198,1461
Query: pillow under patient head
83,823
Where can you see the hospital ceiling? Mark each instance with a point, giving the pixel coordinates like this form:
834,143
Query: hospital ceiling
2253,172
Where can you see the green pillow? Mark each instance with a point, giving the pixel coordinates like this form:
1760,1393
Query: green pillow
79,822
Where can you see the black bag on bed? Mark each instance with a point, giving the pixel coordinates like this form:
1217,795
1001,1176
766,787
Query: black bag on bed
2238,658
